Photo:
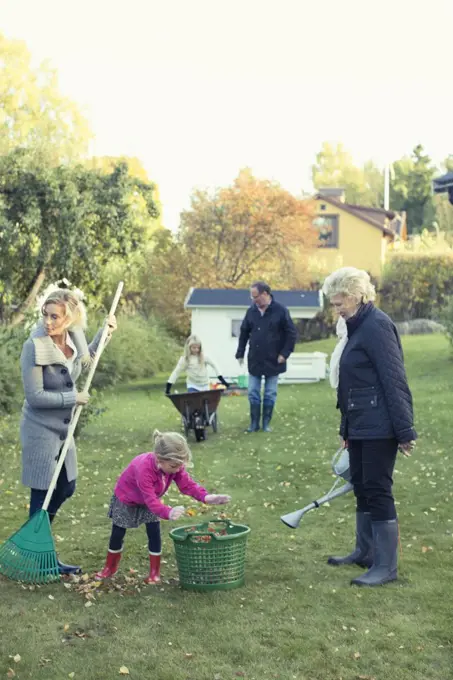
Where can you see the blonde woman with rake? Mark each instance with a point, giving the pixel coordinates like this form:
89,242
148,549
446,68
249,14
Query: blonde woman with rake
51,363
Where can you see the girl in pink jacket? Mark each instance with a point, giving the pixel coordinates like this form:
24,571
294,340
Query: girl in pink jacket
137,498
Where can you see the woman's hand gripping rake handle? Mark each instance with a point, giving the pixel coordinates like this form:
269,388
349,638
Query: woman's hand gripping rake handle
78,409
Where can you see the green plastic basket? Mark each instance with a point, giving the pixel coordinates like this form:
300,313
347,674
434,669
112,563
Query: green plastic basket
211,556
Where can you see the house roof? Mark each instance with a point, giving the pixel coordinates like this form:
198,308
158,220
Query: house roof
225,297
377,217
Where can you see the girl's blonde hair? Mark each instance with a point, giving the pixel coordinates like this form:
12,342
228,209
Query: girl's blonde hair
193,340
75,312
172,446
352,282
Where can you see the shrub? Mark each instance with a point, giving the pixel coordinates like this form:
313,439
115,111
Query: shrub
321,326
140,348
446,318
11,341
416,285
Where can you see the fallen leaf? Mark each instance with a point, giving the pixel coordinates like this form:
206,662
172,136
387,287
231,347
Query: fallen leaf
88,604
71,675
17,658
188,655
124,670
66,627
51,597
356,655
10,673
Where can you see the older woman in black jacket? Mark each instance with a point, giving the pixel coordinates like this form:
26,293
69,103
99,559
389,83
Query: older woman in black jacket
376,419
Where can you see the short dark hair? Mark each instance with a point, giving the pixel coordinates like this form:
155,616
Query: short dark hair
261,287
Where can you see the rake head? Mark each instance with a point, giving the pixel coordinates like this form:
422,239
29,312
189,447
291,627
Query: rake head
29,554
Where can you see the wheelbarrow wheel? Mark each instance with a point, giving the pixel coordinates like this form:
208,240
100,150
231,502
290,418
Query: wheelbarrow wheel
200,435
185,425
215,423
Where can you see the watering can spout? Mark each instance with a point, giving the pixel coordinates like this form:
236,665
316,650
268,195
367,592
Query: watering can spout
293,519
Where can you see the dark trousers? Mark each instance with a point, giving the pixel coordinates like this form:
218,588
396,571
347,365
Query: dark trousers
62,492
152,530
371,462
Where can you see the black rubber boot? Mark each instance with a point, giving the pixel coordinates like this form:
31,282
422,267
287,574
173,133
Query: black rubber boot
255,413
65,569
68,569
385,551
267,416
363,552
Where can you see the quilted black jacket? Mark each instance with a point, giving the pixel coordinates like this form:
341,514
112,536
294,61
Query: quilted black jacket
268,335
373,394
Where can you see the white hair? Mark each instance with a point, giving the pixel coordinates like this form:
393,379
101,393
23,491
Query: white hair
351,282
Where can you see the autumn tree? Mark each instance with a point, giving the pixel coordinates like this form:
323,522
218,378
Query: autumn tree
249,230
252,228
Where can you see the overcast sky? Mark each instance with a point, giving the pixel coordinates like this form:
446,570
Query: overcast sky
198,89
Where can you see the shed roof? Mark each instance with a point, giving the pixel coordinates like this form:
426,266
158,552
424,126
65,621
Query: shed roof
227,297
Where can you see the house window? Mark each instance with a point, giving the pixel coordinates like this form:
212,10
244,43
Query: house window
235,328
327,226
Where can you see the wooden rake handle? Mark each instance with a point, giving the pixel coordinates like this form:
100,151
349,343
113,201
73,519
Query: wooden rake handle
78,410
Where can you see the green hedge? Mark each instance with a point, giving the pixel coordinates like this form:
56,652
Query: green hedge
446,319
140,348
416,285
11,341
321,326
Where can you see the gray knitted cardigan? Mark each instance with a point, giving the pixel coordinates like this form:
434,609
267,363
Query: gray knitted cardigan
50,397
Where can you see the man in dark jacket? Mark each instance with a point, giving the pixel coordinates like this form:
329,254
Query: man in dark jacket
270,332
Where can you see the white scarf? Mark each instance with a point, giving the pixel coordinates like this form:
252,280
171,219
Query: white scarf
342,334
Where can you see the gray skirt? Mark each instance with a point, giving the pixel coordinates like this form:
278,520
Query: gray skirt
129,516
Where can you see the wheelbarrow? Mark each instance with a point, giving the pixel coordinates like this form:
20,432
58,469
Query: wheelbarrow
198,411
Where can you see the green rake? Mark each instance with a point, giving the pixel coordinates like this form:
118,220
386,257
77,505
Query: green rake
29,555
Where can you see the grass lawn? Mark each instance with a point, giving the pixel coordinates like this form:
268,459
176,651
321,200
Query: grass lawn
296,617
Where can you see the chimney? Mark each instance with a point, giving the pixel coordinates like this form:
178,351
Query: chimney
337,193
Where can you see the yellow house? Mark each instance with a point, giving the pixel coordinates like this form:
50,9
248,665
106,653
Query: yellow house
354,235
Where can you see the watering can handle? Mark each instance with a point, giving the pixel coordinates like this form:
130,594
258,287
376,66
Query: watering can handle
78,410
337,455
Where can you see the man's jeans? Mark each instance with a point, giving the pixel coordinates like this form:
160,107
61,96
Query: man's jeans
270,389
